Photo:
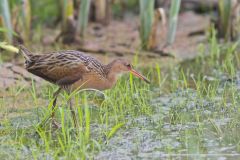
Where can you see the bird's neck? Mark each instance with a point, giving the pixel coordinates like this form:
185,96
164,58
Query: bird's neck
111,75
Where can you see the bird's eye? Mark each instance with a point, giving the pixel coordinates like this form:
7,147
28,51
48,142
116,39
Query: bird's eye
128,65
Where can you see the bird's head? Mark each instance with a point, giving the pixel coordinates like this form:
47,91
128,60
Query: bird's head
122,66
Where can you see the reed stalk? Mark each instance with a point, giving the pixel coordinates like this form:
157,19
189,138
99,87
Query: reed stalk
83,15
146,21
224,18
173,19
6,16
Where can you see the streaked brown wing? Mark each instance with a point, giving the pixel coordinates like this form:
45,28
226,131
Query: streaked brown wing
61,75
62,68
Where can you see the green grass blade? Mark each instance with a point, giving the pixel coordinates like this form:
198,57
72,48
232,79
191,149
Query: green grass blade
225,13
5,30
158,69
114,130
8,47
146,21
174,10
83,17
87,119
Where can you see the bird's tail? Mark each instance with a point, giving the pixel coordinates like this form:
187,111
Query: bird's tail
25,52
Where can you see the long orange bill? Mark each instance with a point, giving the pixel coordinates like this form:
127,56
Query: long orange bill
137,74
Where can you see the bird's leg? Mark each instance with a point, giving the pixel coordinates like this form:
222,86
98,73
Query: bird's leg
73,113
55,95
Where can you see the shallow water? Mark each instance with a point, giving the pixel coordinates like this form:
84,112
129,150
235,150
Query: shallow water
156,136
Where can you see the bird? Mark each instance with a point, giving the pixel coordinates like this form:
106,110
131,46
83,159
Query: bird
73,70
